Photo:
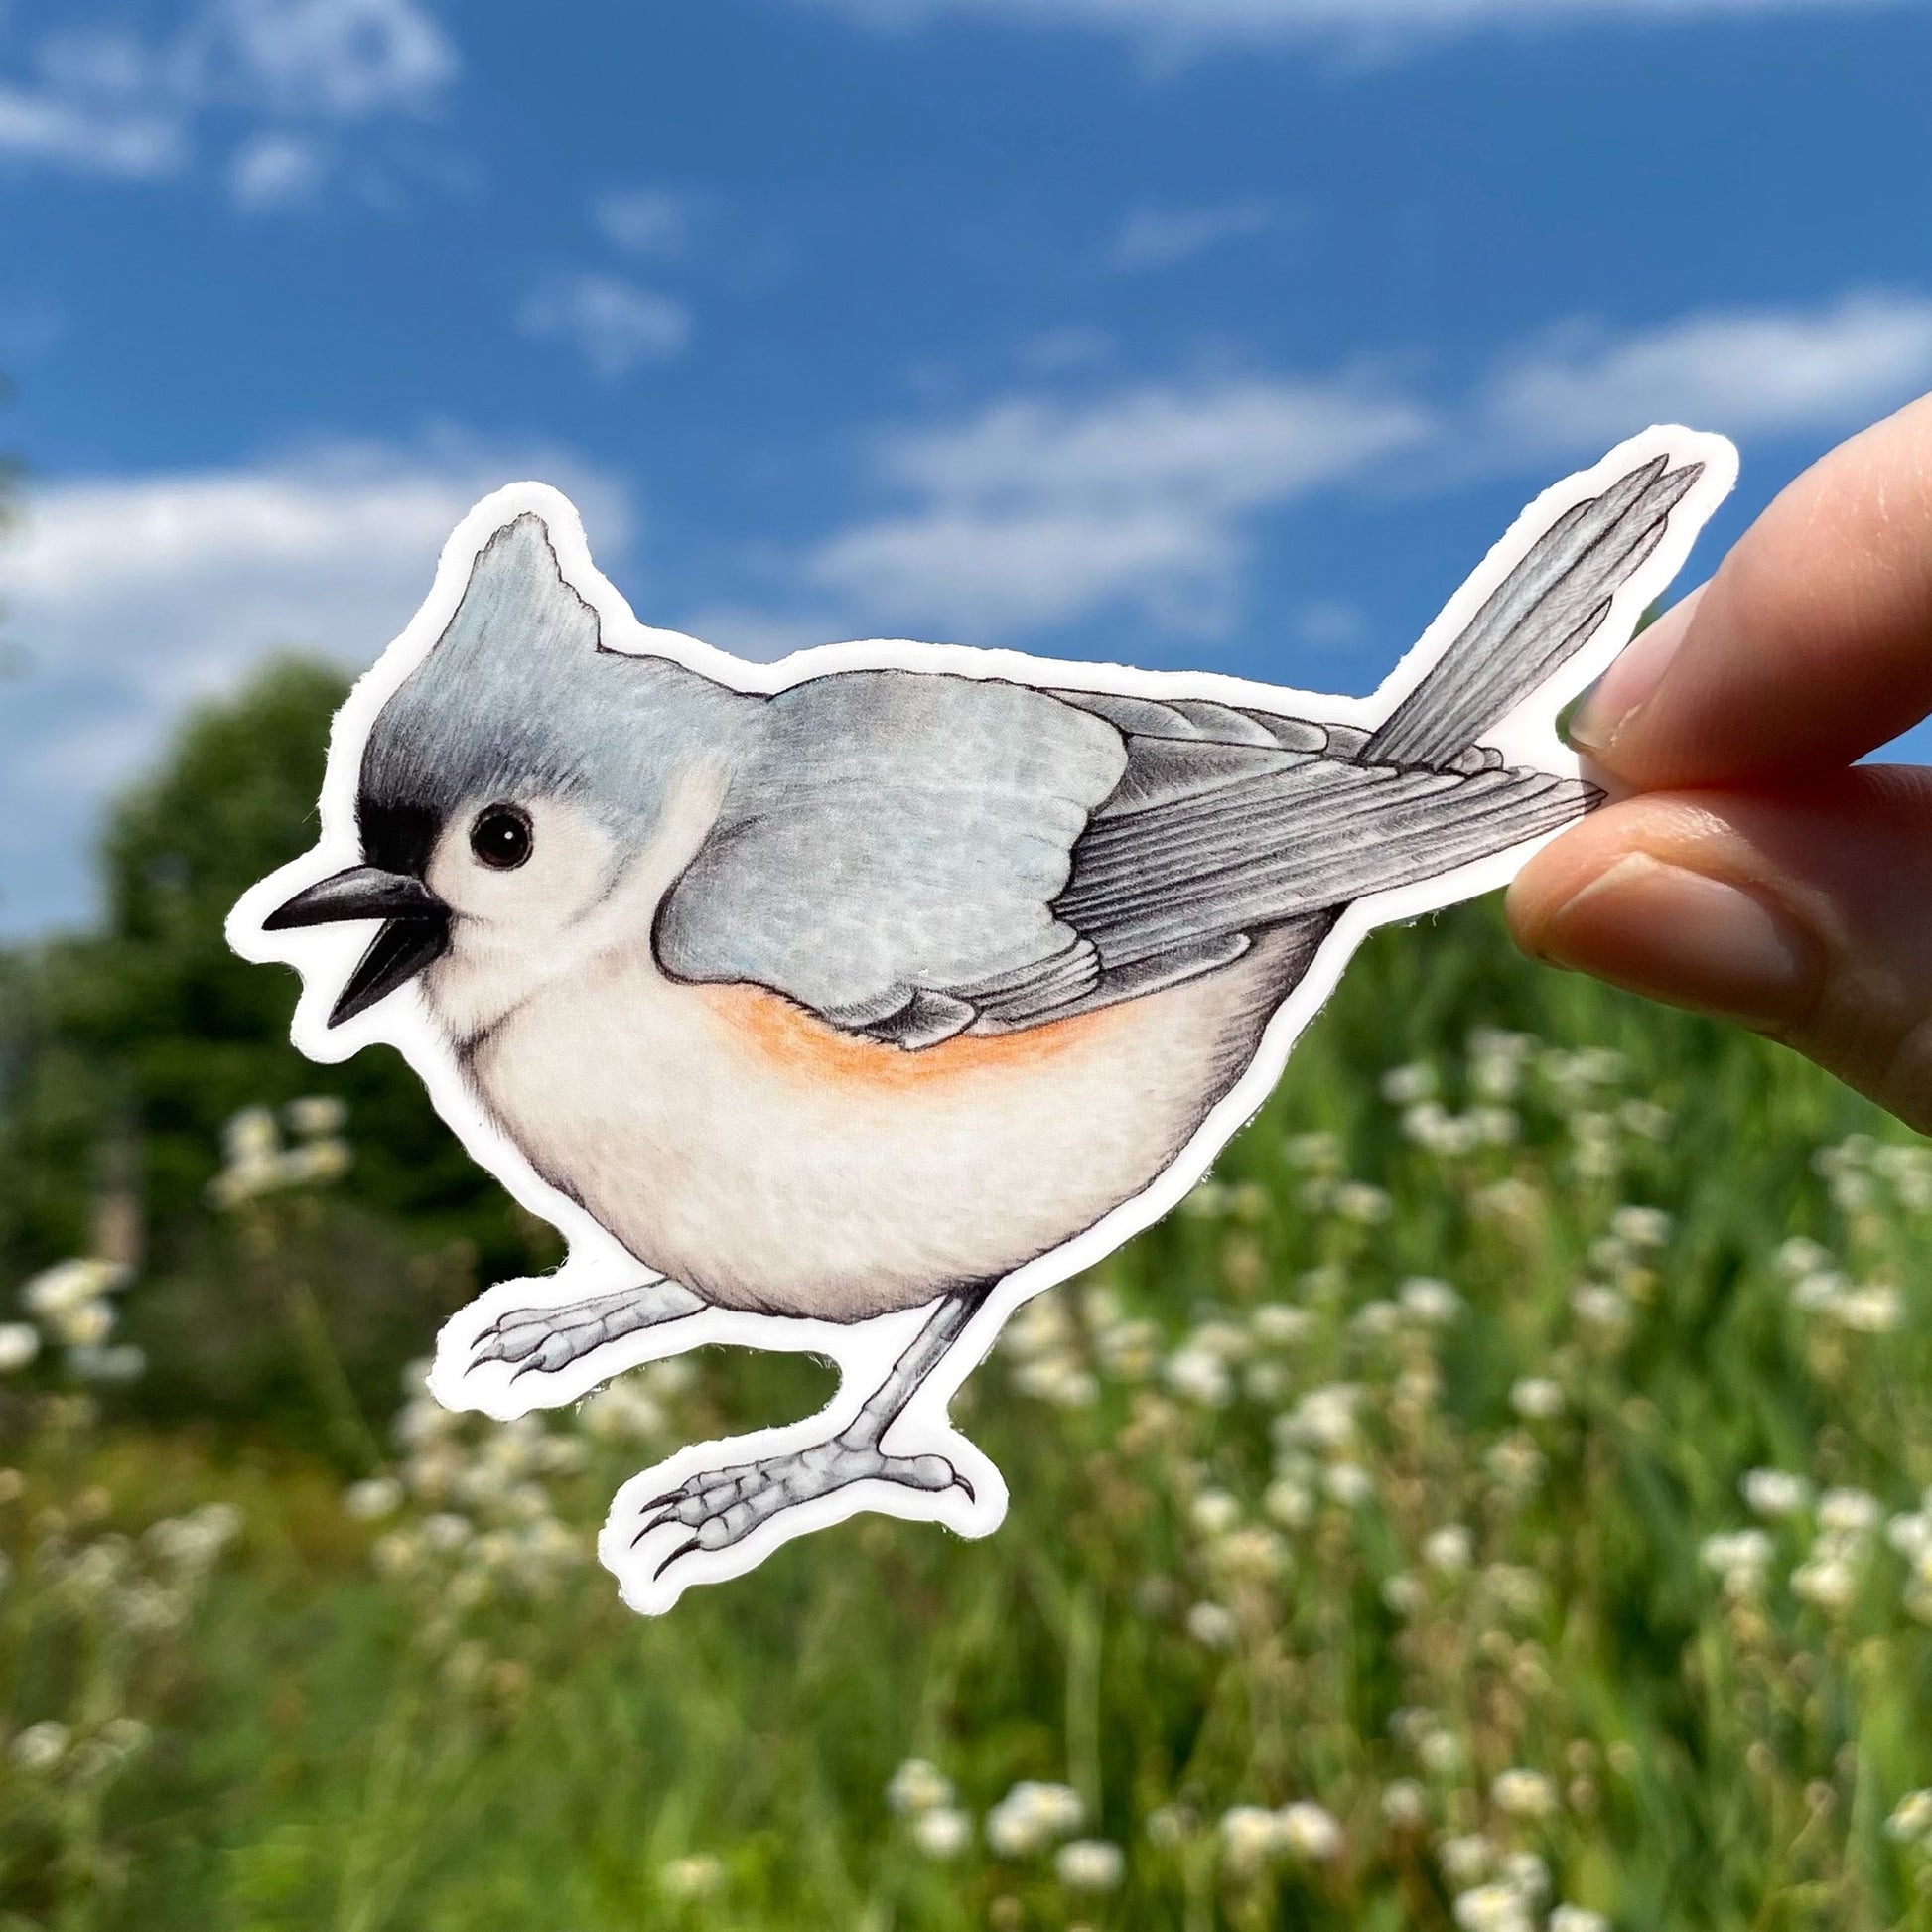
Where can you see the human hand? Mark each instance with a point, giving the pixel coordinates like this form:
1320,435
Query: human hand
1754,872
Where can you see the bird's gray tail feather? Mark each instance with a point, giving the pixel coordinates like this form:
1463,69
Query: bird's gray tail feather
1541,615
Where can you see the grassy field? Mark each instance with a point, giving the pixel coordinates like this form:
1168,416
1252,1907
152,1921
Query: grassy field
1493,1501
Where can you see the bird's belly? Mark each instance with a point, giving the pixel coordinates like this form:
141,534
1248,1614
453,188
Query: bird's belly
769,1161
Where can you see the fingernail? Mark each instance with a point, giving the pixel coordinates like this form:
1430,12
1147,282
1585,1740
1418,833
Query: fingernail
1631,679
1682,938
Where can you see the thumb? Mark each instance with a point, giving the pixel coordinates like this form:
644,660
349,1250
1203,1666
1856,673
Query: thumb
1806,915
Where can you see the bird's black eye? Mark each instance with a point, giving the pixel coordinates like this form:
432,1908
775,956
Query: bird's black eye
501,837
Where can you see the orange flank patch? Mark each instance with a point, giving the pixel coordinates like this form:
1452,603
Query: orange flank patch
791,1037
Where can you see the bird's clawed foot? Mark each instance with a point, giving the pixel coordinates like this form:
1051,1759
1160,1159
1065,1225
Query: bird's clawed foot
719,1507
543,1340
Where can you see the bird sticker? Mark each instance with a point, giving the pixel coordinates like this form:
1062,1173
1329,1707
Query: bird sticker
842,1004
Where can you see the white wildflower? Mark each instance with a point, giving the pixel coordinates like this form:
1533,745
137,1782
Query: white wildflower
942,1833
1324,1417
1279,1324
1199,1375
1522,1794
1645,1119
1215,1512
1448,1549
1356,1201
40,1746
1818,1294
1510,1199
250,1136
20,1342
1436,1130
374,1498
1307,1831
1058,1380
396,1553
1514,1589
1537,1398
623,1412
71,1285
1441,1753
1874,1311
1090,1864
1577,1918
1169,1826
696,1875
1403,1594
1405,1805
1032,1815
1911,1536
1775,1494
1493,1908
1250,1836
1289,1502
1403,1086
1211,1625
1740,1557
1528,1877
445,1530
1318,1153
1128,1349
1828,1583
1430,1301
1849,1513
1348,1483
917,1786
86,1324
1606,1309
1641,1228
1800,1256
1516,1463
1467,1859
1249,1556
1912,1817
317,1113
1376,1319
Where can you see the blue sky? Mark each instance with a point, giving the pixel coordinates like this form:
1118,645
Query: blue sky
1223,332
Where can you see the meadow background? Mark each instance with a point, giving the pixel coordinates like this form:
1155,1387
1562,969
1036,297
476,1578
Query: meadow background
1492,1501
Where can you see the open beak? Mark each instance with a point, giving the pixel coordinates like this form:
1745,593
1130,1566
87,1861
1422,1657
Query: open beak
415,928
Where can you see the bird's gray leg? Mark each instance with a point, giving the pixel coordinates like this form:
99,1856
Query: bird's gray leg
547,1339
720,1507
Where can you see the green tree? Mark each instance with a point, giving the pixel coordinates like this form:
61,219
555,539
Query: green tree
149,1034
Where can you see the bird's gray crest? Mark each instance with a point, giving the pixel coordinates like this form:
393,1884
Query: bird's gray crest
518,697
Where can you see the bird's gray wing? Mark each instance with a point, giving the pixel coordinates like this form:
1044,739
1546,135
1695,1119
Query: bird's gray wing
914,854
1211,840
891,856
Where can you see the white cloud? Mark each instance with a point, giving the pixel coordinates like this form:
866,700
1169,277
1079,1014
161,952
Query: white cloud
272,171
1185,23
133,595
1742,371
613,325
106,100
1031,513
646,222
1156,237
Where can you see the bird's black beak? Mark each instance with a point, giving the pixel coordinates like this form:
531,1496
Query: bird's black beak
415,929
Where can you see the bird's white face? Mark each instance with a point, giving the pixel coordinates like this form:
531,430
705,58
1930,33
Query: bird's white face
530,885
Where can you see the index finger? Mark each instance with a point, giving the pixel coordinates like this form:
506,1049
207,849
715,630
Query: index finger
1811,646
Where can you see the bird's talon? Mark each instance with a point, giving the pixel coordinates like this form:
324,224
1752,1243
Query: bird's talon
682,1550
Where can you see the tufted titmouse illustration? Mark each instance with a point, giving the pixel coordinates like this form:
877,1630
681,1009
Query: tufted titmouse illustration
860,995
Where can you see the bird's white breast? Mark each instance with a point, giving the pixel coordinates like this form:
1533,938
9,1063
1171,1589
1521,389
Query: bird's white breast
756,1154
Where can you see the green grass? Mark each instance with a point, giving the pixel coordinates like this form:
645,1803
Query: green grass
352,1730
